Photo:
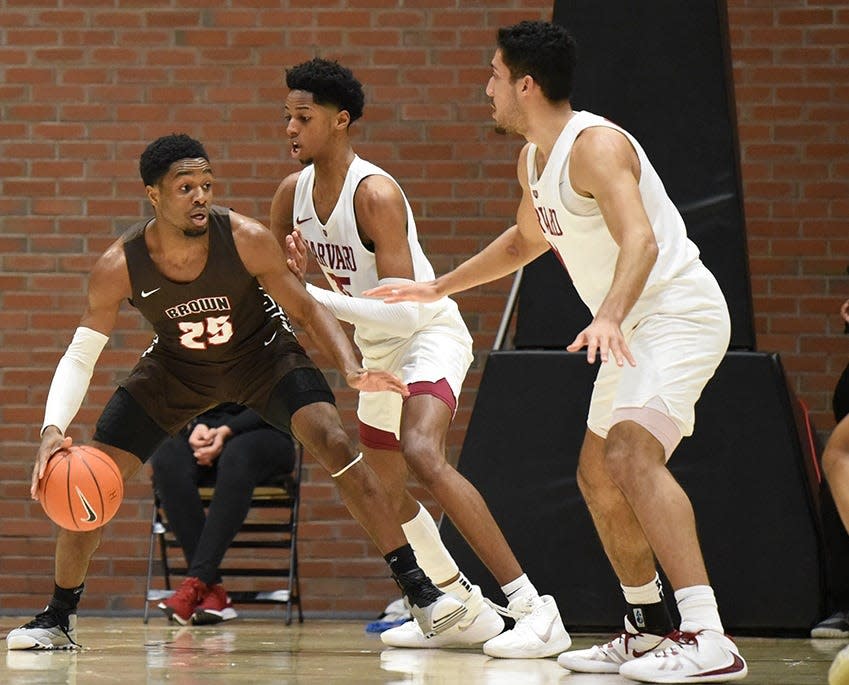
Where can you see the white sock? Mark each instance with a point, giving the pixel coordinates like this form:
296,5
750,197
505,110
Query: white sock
431,554
521,587
697,606
461,587
650,593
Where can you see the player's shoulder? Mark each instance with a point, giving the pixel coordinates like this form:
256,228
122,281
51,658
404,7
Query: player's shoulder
289,183
244,226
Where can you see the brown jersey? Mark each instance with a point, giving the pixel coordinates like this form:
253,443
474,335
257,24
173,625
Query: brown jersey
219,338
221,316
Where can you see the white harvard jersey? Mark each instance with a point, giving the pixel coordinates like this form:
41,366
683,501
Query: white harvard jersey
575,229
350,268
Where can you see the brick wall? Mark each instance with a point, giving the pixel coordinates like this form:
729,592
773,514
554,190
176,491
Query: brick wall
791,74
85,87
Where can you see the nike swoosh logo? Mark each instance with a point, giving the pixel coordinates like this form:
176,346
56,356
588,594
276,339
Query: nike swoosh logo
735,666
148,293
91,514
270,340
546,636
300,221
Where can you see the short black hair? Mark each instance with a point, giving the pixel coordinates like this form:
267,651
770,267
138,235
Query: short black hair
330,84
542,50
158,157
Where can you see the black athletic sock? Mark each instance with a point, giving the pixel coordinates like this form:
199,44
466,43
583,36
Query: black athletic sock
66,600
650,618
401,560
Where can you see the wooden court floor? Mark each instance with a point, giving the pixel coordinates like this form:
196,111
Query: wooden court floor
262,650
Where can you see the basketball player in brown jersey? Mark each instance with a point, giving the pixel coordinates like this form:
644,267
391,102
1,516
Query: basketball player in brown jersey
203,277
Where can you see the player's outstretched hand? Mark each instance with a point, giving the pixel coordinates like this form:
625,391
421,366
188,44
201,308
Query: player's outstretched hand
424,291
604,337
51,442
376,381
844,311
296,254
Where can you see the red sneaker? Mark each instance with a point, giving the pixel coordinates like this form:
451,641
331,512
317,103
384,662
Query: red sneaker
181,605
215,607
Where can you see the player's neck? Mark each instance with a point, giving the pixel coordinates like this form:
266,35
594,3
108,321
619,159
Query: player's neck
545,126
330,173
179,257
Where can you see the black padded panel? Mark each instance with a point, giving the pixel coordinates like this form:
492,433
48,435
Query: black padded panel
744,470
661,70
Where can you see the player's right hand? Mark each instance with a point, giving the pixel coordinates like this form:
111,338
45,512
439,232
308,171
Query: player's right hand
844,311
422,291
51,442
296,254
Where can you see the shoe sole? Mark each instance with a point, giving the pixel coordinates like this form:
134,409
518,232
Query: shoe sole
829,633
174,616
578,665
205,618
547,650
24,643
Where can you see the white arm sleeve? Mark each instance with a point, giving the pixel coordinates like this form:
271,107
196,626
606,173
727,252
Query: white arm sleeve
400,320
73,374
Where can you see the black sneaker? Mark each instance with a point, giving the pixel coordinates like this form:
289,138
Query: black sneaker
835,626
51,629
434,611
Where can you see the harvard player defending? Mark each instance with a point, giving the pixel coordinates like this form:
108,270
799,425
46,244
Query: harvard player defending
359,226
199,274
660,325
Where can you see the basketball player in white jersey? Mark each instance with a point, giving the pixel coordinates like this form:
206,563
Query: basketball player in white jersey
660,327
357,223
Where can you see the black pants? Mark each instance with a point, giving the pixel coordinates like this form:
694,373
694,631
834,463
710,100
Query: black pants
248,459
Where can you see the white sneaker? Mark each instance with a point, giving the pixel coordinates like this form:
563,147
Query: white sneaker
539,631
607,658
480,623
704,657
838,674
48,630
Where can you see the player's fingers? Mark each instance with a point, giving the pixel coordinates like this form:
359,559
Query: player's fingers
577,343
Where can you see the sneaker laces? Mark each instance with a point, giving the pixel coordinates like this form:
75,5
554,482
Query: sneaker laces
681,638
51,618
527,607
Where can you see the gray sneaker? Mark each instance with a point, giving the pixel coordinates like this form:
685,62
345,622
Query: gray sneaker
835,626
51,629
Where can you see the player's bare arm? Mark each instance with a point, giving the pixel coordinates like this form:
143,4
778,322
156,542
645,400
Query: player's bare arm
282,205
264,259
108,285
517,246
605,166
382,224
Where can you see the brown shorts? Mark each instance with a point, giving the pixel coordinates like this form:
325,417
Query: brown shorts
172,392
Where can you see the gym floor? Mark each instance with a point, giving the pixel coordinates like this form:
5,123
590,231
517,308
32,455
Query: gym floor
262,650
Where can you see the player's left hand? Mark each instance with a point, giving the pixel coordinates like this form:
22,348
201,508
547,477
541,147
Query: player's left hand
365,380
605,337
420,291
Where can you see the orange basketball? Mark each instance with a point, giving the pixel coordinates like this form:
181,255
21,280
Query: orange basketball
81,489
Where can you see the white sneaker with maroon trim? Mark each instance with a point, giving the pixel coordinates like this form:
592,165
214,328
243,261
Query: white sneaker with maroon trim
607,658
704,657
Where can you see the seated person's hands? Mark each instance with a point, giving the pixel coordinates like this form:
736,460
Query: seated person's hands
208,442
